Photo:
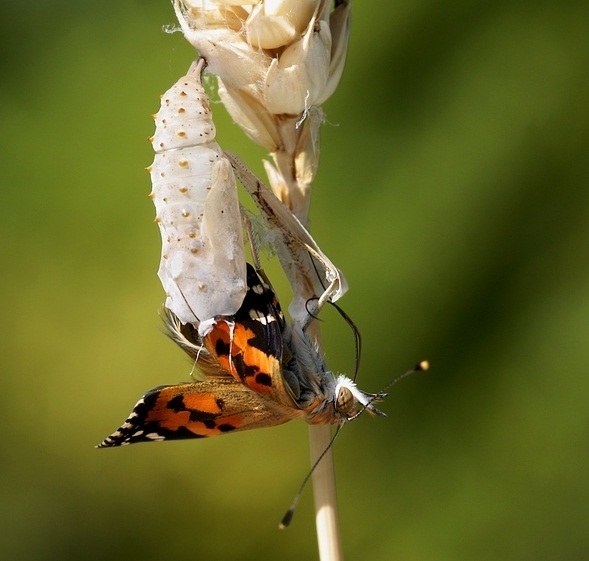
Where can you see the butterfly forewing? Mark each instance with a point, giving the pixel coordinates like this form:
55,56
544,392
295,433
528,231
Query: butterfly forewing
250,344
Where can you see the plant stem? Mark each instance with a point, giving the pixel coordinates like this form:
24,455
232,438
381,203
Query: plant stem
324,492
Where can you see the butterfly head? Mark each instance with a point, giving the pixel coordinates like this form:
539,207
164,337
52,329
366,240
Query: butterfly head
351,401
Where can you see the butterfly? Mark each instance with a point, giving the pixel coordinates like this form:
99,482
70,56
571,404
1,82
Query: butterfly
257,371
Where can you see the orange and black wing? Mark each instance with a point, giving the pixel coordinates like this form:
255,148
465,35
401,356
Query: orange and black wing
197,410
250,345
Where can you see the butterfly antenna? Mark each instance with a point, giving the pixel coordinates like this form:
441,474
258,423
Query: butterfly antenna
351,324
421,366
287,518
357,336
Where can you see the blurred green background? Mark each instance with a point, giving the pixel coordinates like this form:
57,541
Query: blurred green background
453,192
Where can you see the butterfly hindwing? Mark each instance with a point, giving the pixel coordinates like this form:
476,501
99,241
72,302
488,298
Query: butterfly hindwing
197,410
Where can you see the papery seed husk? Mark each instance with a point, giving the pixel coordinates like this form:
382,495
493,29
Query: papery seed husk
296,80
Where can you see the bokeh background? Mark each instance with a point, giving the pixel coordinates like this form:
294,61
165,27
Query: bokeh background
453,192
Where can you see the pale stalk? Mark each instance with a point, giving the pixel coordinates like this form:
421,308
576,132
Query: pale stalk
324,493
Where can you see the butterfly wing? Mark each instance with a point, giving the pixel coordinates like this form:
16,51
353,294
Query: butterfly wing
243,386
250,346
197,410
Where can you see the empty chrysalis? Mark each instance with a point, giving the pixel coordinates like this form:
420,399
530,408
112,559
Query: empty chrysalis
202,267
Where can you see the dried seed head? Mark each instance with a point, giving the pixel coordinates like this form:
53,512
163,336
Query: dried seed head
275,23
273,57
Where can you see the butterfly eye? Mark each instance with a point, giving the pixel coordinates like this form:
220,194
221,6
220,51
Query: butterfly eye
194,192
345,401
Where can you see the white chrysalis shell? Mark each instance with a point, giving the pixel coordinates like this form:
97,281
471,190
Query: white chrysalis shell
202,266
